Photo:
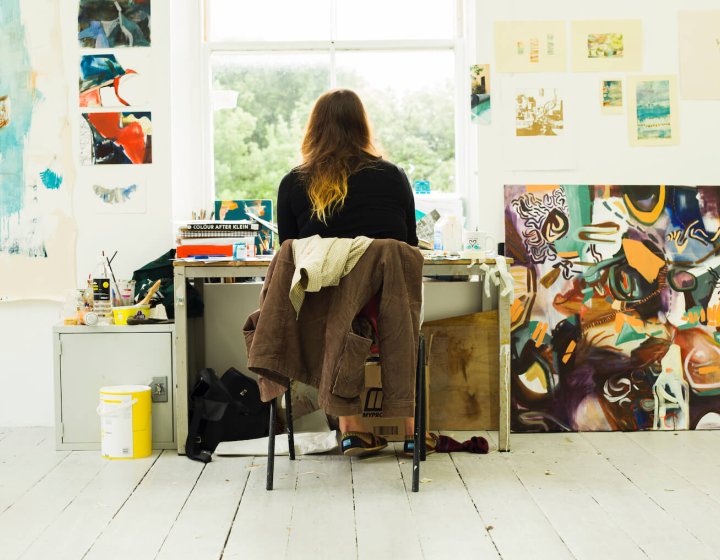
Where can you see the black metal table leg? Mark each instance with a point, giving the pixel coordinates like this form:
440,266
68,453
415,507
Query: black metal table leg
271,448
422,397
289,422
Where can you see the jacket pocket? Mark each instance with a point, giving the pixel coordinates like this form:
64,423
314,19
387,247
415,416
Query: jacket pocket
349,375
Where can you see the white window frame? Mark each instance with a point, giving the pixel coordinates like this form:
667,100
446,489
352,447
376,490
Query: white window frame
462,46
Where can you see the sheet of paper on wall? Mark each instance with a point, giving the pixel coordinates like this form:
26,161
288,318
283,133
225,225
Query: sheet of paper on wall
611,96
538,123
530,46
699,54
480,110
116,79
607,46
652,110
37,230
106,24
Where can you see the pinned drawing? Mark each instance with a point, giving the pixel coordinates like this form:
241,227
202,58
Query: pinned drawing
119,198
539,112
699,54
480,93
105,24
617,304
530,46
116,138
105,82
652,111
607,45
611,92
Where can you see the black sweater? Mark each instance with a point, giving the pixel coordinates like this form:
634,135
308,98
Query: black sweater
379,205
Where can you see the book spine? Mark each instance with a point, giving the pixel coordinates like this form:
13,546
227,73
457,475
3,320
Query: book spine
221,227
184,251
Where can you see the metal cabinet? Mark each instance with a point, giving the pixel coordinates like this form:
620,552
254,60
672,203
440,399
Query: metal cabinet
87,358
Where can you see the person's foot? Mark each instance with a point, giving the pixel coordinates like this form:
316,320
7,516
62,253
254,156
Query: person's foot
431,443
357,444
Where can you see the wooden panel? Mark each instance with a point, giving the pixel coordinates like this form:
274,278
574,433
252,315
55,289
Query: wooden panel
464,372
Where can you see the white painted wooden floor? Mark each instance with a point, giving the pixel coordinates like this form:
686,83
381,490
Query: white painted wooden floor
584,496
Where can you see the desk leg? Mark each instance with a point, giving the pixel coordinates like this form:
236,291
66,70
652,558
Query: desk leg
504,303
181,360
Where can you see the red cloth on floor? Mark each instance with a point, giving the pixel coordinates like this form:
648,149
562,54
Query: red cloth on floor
475,444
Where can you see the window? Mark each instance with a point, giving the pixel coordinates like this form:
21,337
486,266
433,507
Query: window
268,62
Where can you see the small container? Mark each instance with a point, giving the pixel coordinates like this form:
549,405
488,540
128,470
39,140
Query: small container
90,318
240,250
121,314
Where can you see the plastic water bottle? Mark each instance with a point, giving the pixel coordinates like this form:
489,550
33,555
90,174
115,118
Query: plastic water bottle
101,292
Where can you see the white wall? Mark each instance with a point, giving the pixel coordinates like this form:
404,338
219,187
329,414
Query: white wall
604,157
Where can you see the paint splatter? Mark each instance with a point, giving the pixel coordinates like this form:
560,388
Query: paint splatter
51,180
117,195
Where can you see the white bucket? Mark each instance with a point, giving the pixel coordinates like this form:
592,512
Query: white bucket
125,421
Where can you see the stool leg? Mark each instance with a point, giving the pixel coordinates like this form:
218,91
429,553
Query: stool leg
423,397
419,435
289,422
271,448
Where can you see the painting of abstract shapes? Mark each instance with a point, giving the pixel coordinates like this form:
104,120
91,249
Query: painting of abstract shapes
530,46
539,112
612,97
105,24
699,46
616,314
106,82
607,45
652,111
118,197
116,138
480,93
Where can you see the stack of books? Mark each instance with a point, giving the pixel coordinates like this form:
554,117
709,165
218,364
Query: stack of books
212,238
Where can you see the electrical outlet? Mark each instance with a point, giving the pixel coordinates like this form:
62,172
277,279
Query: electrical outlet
159,389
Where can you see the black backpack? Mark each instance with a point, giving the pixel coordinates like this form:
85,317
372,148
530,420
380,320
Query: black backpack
226,409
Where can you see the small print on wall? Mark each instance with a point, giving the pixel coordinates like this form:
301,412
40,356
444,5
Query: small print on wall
539,112
611,94
114,80
117,197
480,93
530,46
105,24
652,111
607,45
116,138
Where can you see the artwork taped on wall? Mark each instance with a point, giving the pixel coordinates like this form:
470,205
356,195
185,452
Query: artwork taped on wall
653,111
611,97
539,112
617,307
607,45
480,93
114,23
116,197
116,138
115,80
699,54
530,46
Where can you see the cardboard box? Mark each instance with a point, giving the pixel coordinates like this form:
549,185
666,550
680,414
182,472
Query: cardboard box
392,429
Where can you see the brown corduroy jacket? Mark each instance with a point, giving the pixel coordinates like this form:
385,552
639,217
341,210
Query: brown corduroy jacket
320,349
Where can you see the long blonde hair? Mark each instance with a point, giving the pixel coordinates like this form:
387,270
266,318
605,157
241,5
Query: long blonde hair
337,143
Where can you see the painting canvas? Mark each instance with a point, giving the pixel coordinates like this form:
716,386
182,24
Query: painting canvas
611,97
480,93
616,307
244,209
116,138
115,80
607,45
699,54
539,112
530,46
105,24
652,111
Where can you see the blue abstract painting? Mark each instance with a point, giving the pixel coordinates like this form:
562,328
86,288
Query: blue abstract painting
653,109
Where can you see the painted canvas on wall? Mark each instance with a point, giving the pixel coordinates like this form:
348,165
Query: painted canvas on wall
116,138
611,97
105,24
699,54
530,46
480,93
616,316
115,80
607,45
539,112
653,111
37,233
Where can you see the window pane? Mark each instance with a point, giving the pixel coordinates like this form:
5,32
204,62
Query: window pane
409,97
261,105
395,19
269,20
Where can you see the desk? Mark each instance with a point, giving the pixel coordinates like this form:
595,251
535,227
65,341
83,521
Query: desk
200,271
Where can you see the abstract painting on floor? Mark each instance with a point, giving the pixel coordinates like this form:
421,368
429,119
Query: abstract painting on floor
116,138
105,24
616,315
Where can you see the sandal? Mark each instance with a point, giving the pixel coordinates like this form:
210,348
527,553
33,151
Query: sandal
356,444
431,443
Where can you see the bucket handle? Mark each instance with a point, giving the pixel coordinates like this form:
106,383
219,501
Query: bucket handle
115,410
